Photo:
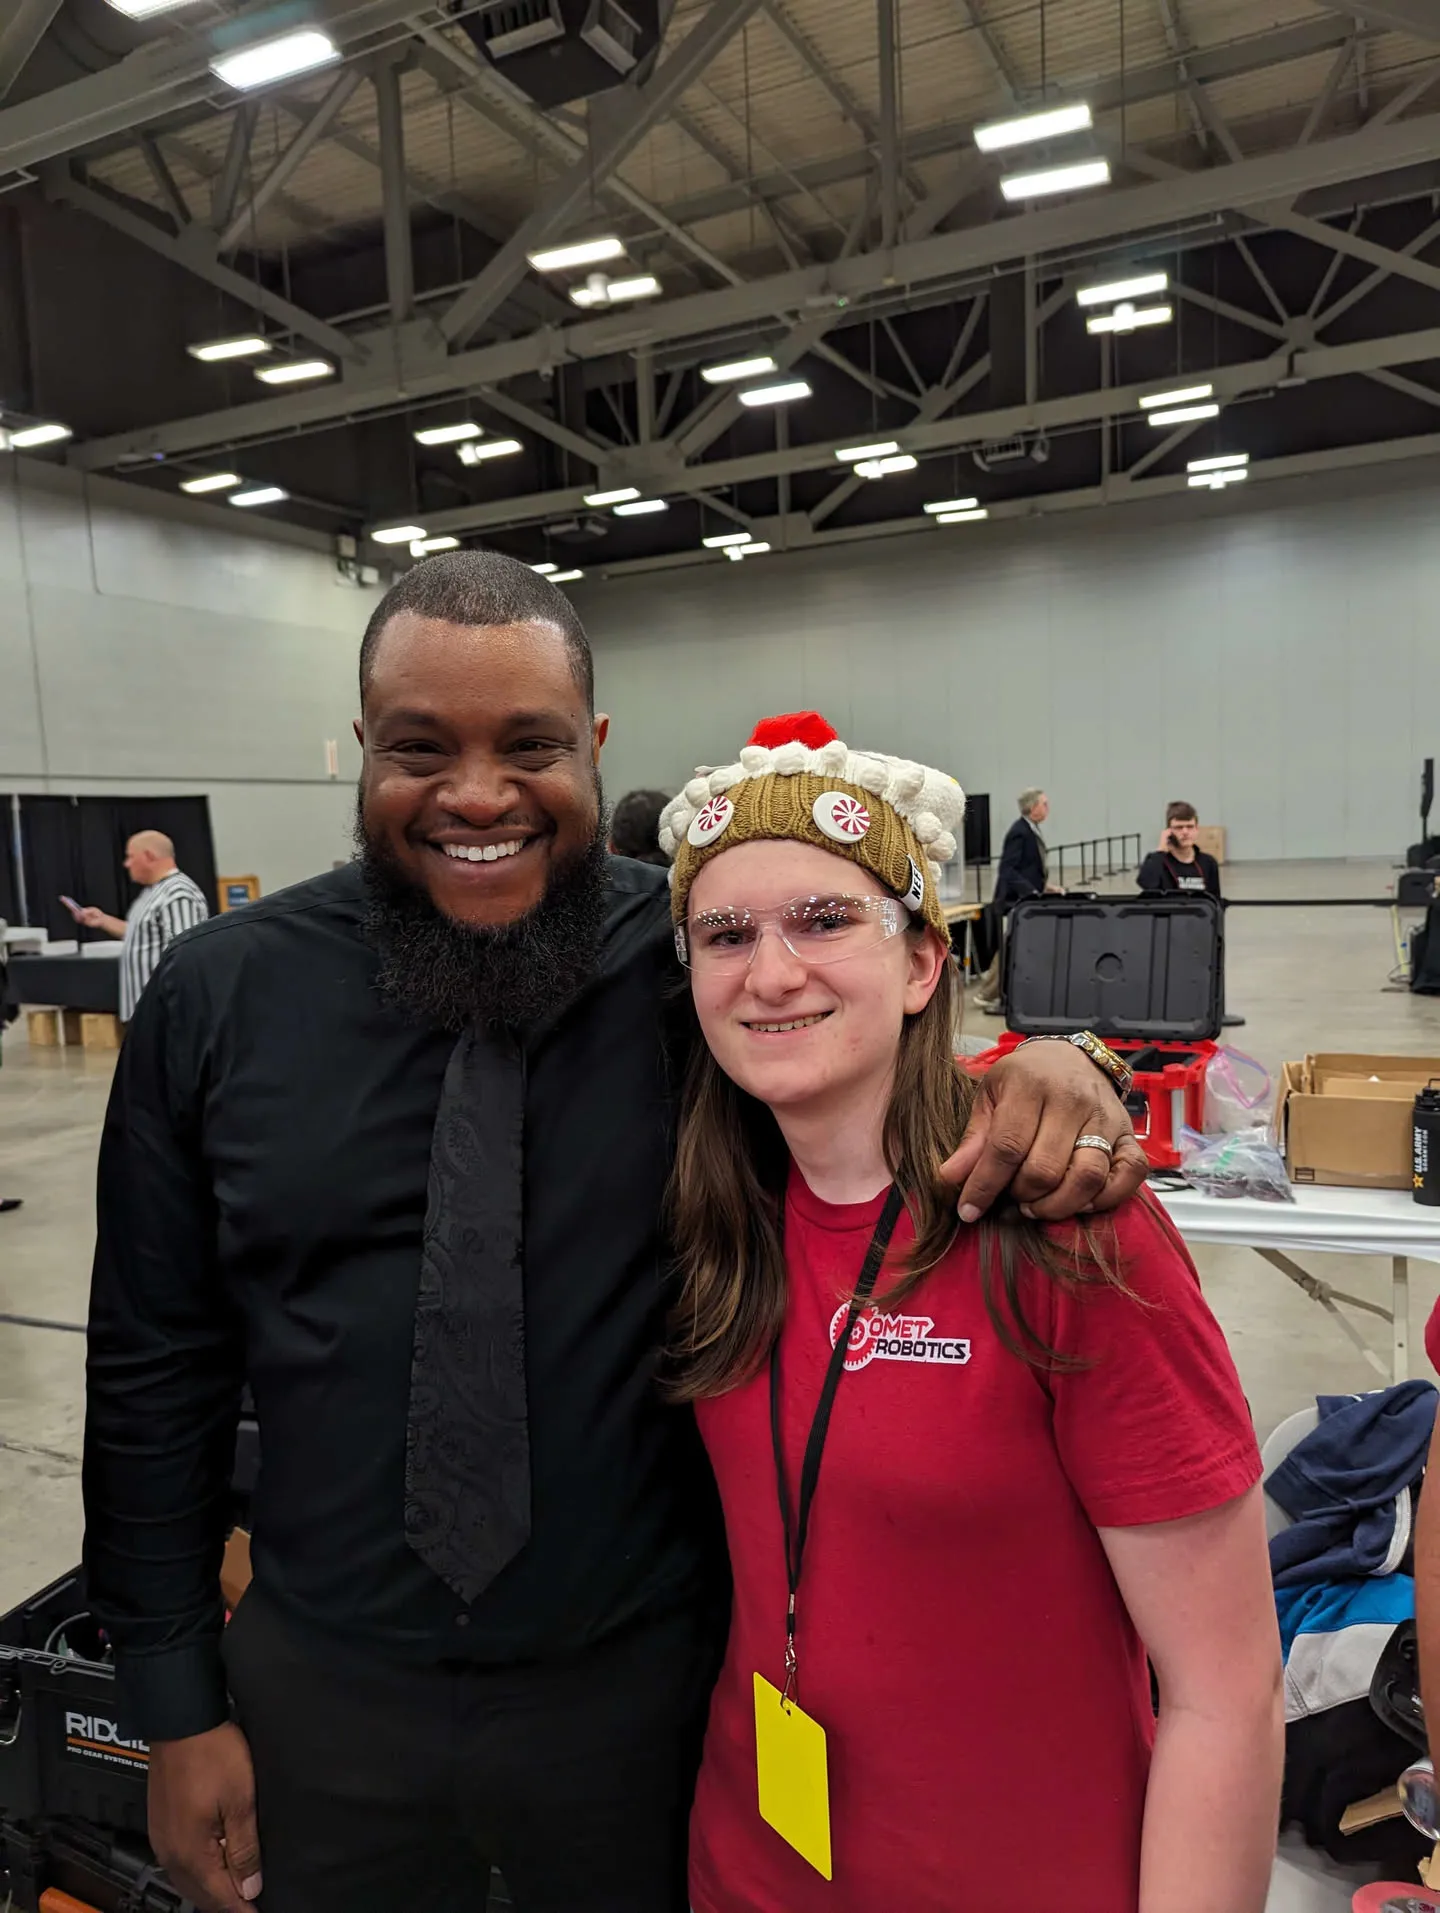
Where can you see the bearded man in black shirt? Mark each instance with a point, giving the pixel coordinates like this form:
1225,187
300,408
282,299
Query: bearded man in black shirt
391,1147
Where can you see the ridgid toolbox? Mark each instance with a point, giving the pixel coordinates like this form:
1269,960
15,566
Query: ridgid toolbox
1145,974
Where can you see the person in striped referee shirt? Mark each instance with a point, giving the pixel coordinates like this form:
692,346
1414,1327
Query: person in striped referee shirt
168,903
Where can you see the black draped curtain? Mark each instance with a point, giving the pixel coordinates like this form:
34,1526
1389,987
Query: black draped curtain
75,847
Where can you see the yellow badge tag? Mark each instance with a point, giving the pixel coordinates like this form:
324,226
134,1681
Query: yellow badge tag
790,1765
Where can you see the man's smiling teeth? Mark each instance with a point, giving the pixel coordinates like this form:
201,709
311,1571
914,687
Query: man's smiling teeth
800,1023
483,853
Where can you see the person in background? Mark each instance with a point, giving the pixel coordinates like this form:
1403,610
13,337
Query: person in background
1179,864
1024,867
1038,1465
635,827
168,903
1180,867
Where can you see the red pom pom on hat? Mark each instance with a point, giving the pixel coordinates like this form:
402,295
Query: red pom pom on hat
795,727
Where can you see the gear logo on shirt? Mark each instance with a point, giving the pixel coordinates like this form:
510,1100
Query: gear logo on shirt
879,1335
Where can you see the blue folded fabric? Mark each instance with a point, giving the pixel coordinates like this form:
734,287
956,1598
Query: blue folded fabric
1341,1484
1324,1607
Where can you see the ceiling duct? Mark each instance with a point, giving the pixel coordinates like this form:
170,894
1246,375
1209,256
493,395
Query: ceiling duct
556,51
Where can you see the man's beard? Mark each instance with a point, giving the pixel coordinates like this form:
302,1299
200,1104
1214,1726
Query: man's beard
454,974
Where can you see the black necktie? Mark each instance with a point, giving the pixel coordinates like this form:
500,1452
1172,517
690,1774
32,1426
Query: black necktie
467,1465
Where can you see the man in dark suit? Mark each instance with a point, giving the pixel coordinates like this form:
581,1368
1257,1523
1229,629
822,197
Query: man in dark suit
1022,873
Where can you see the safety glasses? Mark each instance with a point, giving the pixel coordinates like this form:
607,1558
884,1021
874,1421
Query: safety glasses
814,929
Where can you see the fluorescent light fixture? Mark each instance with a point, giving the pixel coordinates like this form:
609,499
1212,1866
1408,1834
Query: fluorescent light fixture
477,451
724,538
211,482
962,517
852,454
1185,415
422,547
546,570
952,504
1129,318
1053,123
29,435
261,495
295,372
249,345
614,292
752,550
733,553
1225,462
585,252
776,394
1056,179
399,534
146,9
883,467
280,59
1186,395
738,369
1217,481
621,495
639,507
567,577
1114,290
449,434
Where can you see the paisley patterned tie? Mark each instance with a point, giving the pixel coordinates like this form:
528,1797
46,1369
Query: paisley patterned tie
467,1463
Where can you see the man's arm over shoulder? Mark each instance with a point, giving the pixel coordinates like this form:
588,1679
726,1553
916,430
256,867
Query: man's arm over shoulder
1152,872
163,1373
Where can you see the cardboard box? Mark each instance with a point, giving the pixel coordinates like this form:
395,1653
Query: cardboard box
1211,839
1345,1121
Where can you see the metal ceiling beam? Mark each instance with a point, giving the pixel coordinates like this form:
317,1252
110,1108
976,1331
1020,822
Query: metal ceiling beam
995,57
962,257
167,74
1420,17
23,30
225,189
887,55
594,450
844,97
175,201
1337,239
1417,245
645,107
194,250
394,193
314,127
792,244
1325,98
1054,415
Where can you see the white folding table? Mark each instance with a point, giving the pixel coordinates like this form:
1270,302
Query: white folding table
1379,1222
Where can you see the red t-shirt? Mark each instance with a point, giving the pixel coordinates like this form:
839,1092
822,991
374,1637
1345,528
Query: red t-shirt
961,1638
1432,1337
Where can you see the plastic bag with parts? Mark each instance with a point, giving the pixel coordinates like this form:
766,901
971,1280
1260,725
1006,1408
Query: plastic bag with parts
1246,1163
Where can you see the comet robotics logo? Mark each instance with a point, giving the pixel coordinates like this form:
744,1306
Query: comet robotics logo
879,1336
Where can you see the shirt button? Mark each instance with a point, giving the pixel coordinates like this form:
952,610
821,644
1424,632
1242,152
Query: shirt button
462,1620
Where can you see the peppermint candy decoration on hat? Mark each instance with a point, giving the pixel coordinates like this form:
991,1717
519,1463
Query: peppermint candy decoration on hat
842,818
709,822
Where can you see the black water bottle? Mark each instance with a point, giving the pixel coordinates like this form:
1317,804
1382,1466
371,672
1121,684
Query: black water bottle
1427,1145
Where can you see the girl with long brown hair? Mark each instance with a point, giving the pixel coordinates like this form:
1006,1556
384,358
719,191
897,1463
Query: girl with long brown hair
1037,1463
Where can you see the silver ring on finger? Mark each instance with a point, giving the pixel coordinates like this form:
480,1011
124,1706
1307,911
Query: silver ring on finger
1094,1142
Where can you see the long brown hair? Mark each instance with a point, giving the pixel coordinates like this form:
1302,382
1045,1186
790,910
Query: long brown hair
727,1195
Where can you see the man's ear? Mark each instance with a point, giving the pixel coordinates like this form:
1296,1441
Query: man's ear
602,731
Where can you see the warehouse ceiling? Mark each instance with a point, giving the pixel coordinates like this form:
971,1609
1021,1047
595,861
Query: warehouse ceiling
801,181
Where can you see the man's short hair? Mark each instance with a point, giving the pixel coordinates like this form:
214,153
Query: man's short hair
1029,799
635,826
479,588
1181,813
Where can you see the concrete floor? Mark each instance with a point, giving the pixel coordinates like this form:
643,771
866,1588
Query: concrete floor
1304,978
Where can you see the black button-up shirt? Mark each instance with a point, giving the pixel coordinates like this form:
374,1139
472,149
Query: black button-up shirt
262,1193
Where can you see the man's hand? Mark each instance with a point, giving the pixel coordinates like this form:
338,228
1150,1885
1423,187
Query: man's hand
90,915
202,1818
1030,1109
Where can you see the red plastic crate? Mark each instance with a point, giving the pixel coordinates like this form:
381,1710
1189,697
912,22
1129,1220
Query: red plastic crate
1161,1099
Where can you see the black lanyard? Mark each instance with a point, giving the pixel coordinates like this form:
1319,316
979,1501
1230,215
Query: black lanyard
796,1527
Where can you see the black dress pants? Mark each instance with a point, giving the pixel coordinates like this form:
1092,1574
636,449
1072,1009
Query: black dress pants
385,1788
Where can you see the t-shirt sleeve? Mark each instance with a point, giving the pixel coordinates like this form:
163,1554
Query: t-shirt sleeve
1153,1426
1432,1337
1152,872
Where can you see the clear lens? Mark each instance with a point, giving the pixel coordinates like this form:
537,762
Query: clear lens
815,929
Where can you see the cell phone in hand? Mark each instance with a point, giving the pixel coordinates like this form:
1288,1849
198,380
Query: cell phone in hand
70,904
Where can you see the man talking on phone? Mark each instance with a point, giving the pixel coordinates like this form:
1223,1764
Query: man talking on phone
168,903
1179,864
